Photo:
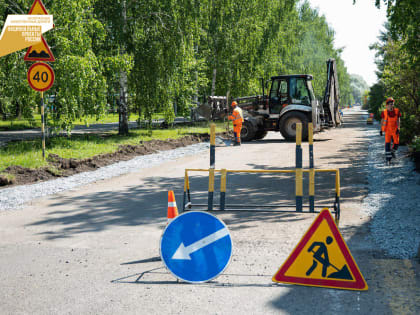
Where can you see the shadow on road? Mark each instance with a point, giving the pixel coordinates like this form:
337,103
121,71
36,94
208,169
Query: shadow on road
147,204
393,283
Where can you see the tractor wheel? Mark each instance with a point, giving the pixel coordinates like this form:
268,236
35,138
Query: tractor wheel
247,131
288,125
260,134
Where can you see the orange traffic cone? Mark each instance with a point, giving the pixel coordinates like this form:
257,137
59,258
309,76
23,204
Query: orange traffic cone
172,208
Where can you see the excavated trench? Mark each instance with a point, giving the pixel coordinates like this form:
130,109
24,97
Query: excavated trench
63,167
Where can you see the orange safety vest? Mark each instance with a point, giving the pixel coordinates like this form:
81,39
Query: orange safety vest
237,116
390,124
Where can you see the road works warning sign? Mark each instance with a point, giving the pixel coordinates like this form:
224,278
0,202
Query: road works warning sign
40,51
322,259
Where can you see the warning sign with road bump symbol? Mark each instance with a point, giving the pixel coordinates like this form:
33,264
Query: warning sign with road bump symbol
41,51
322,259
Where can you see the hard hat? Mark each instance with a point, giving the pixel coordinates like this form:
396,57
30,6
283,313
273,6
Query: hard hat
234,103
389,99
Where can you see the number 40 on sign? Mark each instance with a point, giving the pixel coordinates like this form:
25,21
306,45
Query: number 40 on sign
41,77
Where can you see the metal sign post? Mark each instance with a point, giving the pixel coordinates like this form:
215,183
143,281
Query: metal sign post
41,78
43,125
40,75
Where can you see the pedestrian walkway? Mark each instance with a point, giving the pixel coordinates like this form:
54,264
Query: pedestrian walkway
28,134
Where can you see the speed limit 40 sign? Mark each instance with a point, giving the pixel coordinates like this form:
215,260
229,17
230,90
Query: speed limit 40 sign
40,76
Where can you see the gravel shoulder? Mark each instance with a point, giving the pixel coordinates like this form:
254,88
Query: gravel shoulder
16,197
393,200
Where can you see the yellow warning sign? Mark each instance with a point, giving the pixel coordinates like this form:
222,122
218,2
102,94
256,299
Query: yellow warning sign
322,259
38,8
40,51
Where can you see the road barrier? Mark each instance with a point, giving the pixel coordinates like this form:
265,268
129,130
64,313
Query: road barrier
188,204
298,172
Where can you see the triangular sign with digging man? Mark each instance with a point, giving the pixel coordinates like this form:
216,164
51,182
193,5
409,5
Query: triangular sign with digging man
322,259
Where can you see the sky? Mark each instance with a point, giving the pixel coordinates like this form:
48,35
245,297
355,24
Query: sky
356,28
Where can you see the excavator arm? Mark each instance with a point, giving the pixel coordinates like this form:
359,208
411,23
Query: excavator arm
331,116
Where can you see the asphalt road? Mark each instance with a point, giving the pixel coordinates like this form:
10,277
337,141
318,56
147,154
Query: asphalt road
95,250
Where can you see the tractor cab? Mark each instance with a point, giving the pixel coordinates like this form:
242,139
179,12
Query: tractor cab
290,90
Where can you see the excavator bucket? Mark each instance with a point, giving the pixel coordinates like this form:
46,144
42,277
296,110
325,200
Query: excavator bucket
204,110
215,108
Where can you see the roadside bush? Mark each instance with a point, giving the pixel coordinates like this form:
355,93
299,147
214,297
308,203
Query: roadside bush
415,144
415,154
410,129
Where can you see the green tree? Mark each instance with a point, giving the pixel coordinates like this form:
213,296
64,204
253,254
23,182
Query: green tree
376,99
80,86
166,70
398,63
313,46
115,52
17,99
154,56
404,19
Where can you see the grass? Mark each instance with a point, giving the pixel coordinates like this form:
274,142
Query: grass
109,118
19,124
28,153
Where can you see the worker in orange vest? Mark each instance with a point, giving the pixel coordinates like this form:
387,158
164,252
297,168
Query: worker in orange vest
238,118
390,124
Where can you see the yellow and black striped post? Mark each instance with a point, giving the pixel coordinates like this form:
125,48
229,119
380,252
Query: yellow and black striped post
43,124
186,191
311,168
211,189
337,196
299,171
212,146
223,179
212,165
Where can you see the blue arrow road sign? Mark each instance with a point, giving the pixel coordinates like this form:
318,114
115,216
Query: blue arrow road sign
196,246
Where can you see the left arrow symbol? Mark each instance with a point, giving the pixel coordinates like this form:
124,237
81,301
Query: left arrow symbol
183,253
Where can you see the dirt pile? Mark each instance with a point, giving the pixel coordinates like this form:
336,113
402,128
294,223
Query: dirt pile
61,167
